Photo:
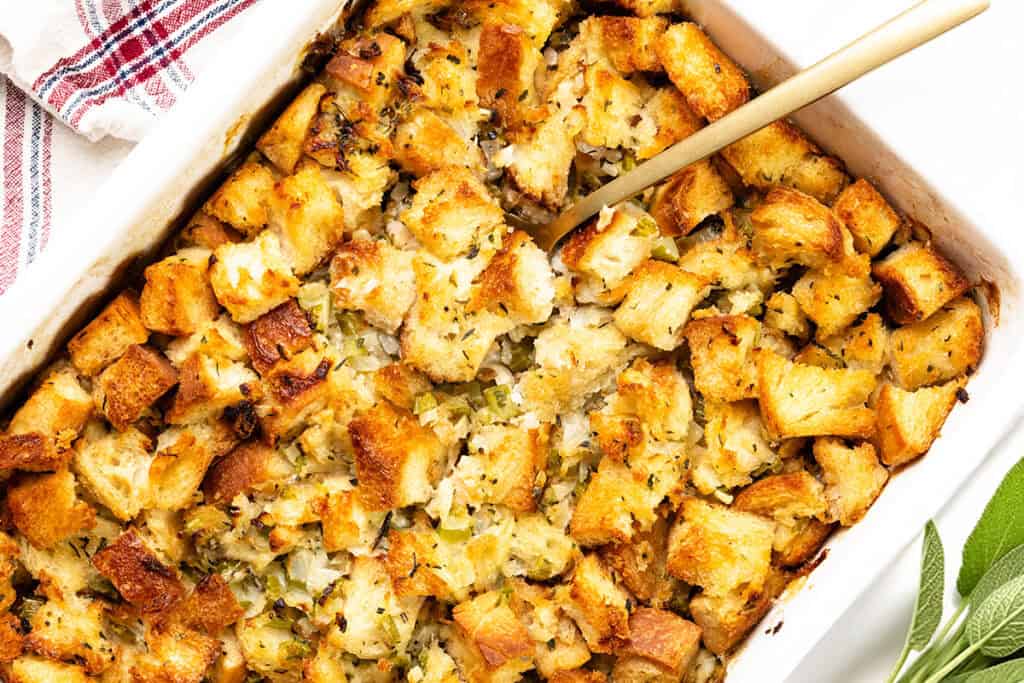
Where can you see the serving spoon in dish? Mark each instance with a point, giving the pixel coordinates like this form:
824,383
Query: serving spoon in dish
914,27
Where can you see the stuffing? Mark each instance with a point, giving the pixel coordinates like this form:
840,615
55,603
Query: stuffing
598,605
400,384
799,543
270,647
614,500
183,455
792,227
783,312
450,211
539,163
617,435
506,65
175,654
422,561
12,642
918,281
663,638
867,216
71,631
492,627
206,386
31,452
58,409
864,346
241,201
578,676
220,338
640,564
283,142
45,508
518,281
252,466
538,18
502,465
659,395
783,497
836,296
724,551
803,400
386,11
360,186
909,421
557,643
544,550
206,232
347,523
722,354
277,335
658,304
177,298
648,8
944,346
425,143
737,447
725,620
133,383
114,467
673,120
613,246
779,154
366,71
613,108
629,43
294,390
139,575
853,478
450,81
397,461
688,197
376,278
711,82
252,278
33,669
726,260
306,216
108,335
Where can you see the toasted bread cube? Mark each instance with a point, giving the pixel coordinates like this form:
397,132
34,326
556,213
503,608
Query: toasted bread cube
629,43
420,562
209,608
32,452
712,82
944,346
425,143
220,338
400,384
690,196
277,335
640,564
306,216
725,620
673,120
783,497
798,544
538,18
792,227
58,409
282,144
360,186
241,201
506,63
253,466
114,467
722,550
347,523
648,8
108,335
835,297
803,400
376,278
450,210
727,260
558,645
252,278
737,447
493,628
659,395
779,154
71,631
618,436
664,638
782,312
128,387
177,654
295,389
206,232
396,459
177,298
614,499
658,304
721,351
33,669
918,281
183,455
12,642
46,509
598,606
613,246
139,575
518,280
207,385
388,11
449,82
613,108
864,346
502,465
269,649
853,478
867,216
909,421
539,164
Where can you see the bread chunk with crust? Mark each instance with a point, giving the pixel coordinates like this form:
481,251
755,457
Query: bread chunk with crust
183,455
629,43
616,499
277,335
853,478
139,575
132,384
946,345
252,278
664,638
722,354
108,335
307,217
46,509
506,64
114,467
241,201
910,421
737,447
493,628
425,143
283,142
726,620
837,295
597,604
792,227
376,278
252,466
502,465
518,281
450,210
868,217
658,304
713,84
918,281
58,408
688,197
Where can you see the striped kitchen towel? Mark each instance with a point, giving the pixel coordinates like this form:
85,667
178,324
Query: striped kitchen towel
80,82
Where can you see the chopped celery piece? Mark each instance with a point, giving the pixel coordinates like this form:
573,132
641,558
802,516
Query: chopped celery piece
296,649
348,321
458,406
521,357
646,227
665,249
387,622
499,400
472,393
455,535
424,402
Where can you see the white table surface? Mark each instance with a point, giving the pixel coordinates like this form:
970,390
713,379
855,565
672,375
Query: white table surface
957,108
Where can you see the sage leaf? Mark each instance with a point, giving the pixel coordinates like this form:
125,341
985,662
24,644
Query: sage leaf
1007,567
928,604
1000,529
996,627
1007,672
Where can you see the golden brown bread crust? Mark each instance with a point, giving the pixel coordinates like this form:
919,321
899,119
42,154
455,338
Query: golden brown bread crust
493,628
504,63
45,509
867,216
108,335
918,281
244,469
688,197
277,335
132,384
12,642
31,452
713,84
139,575
664,638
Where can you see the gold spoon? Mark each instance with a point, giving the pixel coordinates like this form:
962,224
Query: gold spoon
914,27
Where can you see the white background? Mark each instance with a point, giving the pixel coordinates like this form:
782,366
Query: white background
954,110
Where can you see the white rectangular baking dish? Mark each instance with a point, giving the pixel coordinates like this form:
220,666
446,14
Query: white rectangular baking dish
132,212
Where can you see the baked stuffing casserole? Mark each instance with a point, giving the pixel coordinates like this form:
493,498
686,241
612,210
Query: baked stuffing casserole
353,426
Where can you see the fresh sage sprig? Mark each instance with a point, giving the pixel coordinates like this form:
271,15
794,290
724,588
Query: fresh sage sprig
977,644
